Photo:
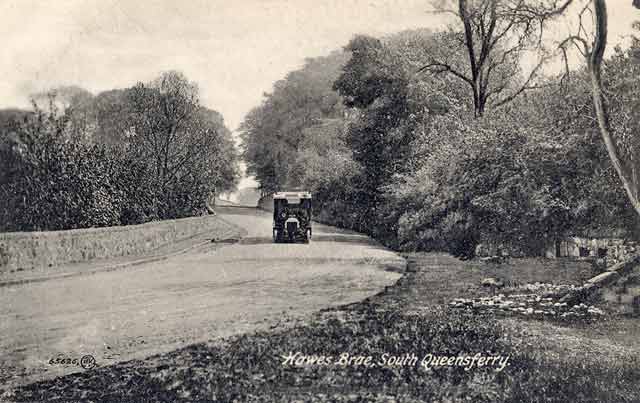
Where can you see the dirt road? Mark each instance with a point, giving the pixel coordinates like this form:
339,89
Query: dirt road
211,292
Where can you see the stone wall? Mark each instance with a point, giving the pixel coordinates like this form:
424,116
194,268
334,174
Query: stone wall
31,250
624,293
618,285
610,250
266,202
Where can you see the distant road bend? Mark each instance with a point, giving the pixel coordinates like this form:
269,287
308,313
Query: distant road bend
210,292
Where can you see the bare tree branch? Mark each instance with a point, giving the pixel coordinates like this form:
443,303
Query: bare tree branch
526,86
443,67
496,34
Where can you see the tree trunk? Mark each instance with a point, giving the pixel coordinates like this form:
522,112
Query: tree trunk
602,113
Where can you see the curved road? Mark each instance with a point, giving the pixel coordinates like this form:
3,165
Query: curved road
214,291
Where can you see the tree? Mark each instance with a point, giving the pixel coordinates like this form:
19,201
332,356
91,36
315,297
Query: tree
389,105
621,158
324,166
66,97
495,34
273,132
122,157
185,144
373,83
53,179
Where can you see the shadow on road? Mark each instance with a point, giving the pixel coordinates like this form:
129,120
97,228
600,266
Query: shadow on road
346,238
256,240
238,210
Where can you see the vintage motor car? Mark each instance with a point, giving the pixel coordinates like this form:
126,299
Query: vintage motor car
292,217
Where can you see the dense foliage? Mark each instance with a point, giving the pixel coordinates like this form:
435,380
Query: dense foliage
273,132
122,157
408,160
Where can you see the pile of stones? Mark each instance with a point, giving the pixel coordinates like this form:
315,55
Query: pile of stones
548,288
527,305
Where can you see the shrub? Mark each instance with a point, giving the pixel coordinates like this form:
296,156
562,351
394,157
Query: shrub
56,180
57,172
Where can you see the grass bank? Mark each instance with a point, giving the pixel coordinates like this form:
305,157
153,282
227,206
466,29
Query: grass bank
547,361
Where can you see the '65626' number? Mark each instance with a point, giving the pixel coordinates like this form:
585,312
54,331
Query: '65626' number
86,361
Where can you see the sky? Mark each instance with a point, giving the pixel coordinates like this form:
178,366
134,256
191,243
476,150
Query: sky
234,49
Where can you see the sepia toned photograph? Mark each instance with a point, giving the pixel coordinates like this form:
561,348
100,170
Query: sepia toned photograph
350,201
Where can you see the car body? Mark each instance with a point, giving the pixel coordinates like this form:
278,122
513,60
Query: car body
292,212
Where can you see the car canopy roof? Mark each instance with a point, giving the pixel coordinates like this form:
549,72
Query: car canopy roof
292,195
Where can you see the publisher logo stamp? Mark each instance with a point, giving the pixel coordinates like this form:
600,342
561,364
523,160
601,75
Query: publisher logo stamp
86,361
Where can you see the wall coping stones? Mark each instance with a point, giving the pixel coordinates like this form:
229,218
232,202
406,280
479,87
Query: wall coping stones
605,278
612,275
626,266
86,231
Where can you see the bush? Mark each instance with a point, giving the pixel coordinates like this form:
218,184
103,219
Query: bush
123,157
56,180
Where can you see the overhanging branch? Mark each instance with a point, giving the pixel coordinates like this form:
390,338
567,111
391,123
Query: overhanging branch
442,68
